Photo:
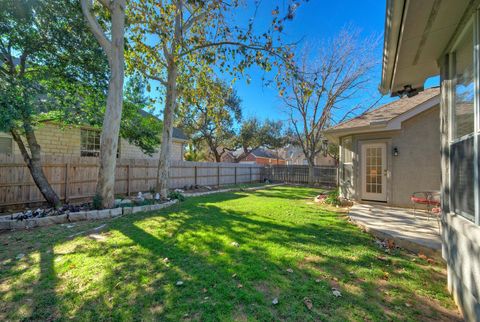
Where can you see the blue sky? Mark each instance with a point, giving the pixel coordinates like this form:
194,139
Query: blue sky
316,20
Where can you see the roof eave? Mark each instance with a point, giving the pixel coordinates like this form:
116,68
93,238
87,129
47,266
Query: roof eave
393,25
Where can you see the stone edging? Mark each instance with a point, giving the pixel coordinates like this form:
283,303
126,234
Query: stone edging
103,214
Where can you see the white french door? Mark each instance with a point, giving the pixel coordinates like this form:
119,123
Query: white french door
374,171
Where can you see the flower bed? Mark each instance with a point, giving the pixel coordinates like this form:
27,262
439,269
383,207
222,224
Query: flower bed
23,221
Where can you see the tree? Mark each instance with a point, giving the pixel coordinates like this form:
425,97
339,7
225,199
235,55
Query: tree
40,56
114,49
209,114
254,134
328,83
173,40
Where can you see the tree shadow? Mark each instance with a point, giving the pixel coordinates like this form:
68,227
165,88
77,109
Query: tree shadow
232,262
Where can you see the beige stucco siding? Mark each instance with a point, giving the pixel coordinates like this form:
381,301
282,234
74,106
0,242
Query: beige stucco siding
416,168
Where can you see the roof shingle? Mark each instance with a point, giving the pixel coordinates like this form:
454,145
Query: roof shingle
388,111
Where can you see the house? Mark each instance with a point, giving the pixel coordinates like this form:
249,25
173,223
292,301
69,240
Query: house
293,155
392,151
441,38
84,141
257,156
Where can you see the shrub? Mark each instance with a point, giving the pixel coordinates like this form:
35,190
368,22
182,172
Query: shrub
333,198
176,195
97,202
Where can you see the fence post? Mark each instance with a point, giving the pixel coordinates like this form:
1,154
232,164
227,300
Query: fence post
235,174
128,179
250,174
195,171
67,180
218,176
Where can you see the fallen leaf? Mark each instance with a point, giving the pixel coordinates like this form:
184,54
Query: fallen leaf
275,301
179,283
289,270
318,280
234,275
308,303
166,260
240,286
204,290
20,256
336,292
235,244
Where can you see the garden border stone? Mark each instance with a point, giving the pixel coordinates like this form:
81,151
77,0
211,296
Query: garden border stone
7,224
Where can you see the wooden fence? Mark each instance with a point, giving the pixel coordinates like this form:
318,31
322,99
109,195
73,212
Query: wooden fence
324,175
75,178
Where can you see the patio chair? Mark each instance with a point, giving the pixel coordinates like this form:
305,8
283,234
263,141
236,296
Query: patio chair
431,200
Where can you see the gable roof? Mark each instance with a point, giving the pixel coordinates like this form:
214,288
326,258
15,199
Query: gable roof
405,107
262,153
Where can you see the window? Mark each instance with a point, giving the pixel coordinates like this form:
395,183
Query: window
89,143
347,167
347,149
463,109
462,129
6,145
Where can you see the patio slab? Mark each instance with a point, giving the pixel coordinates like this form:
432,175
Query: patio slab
418,235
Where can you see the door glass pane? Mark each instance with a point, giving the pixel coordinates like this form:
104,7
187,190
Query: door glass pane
373,169
463,122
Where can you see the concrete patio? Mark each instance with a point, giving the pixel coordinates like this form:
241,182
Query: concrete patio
419,235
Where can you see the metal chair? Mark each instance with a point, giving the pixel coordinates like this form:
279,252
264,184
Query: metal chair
431,199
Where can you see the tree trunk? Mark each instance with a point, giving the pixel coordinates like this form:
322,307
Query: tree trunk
168,114
34,164
311,172
113,112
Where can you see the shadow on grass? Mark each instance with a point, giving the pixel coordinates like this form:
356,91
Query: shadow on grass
222,281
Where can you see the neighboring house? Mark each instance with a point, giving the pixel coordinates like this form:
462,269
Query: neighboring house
264,157
84,141
293,155
390,152
257,156
430,38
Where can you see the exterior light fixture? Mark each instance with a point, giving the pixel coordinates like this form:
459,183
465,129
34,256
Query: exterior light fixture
395,152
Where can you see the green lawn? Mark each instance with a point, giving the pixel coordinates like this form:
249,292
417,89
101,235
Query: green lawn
288,248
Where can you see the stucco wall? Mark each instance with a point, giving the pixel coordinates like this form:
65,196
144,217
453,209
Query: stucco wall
65,141
416,168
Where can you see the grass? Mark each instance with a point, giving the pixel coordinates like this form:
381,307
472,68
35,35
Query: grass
288,248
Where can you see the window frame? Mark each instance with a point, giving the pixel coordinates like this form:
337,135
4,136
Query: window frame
474,24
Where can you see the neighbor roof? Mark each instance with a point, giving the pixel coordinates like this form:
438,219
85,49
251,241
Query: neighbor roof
262,153
386,113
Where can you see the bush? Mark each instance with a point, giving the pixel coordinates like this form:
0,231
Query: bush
97,202
176,195
333,198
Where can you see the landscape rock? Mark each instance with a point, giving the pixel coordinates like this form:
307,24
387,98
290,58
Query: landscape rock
78,216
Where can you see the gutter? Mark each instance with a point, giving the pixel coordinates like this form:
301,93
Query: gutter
394,17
